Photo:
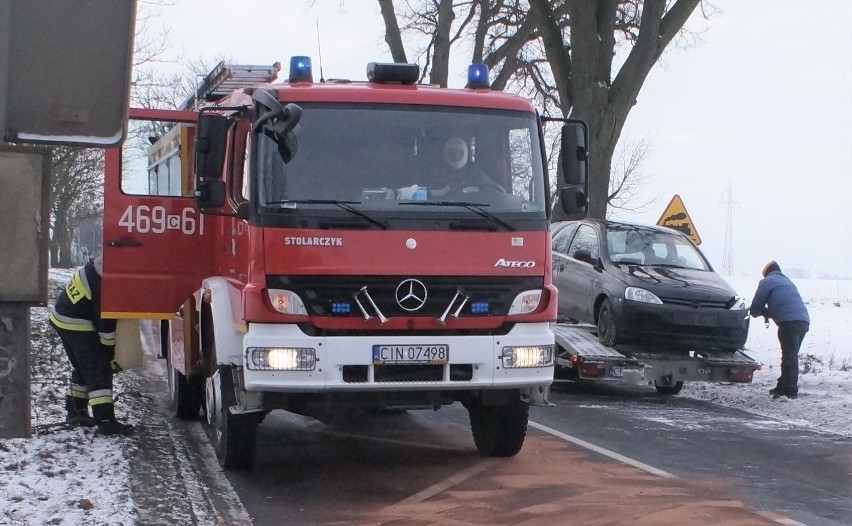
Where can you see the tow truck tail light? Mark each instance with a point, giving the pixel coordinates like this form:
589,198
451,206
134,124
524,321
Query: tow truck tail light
740,375
592,369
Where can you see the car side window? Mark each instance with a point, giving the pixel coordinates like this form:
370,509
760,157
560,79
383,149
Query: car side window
562,238
586,239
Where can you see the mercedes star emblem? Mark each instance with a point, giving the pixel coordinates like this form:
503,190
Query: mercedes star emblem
411,295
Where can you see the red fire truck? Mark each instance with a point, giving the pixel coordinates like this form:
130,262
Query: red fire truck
336,246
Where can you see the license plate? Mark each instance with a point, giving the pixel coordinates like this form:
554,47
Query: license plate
615,371
695,318
410,354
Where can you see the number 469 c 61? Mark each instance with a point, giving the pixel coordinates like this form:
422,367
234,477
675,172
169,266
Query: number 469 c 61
144,219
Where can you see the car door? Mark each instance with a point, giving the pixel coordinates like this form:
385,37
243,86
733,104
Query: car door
581,278
561,241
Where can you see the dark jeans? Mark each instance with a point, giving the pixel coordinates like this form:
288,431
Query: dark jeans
790,335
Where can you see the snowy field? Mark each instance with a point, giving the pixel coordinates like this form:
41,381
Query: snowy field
73,477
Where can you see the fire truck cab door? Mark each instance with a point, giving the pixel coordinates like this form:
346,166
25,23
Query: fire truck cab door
156,247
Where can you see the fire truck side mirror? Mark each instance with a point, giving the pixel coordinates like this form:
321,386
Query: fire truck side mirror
574,183
210,193
210,143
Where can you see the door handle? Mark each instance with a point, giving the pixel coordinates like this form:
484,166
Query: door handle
125,243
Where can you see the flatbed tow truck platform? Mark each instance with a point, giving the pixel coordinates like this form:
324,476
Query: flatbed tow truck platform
580,356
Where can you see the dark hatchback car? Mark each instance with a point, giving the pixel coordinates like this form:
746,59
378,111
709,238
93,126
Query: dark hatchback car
644,285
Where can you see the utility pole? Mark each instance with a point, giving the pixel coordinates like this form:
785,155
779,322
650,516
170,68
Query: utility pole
728,250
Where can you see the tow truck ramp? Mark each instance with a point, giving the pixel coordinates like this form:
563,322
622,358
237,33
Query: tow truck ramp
580,356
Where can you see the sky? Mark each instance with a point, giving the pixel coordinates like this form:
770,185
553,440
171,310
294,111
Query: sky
760,109
75,478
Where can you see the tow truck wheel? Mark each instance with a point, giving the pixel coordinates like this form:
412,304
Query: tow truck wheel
668,389
607,331
233,436
499,431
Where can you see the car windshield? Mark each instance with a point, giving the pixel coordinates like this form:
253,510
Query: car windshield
376,158
644,246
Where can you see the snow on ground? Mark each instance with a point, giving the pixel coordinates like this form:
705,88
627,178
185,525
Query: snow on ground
73,477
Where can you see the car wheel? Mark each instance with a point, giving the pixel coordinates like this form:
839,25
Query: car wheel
607,330
668,389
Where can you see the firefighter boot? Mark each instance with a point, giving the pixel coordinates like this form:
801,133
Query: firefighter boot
107,424
77,412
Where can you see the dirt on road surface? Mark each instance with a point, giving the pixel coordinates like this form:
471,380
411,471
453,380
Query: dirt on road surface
550,482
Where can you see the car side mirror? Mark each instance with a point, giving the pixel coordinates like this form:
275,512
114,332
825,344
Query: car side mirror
585,256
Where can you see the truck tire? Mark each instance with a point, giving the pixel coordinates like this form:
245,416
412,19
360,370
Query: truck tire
607,330
185,393
668,389
499,431
233,436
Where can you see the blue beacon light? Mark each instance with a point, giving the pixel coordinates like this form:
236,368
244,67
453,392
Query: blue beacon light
477,76
300,70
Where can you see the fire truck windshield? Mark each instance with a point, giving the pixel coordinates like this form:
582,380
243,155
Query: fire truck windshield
378,158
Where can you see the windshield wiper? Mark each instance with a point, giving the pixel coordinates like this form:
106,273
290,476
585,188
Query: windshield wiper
344,205
473,207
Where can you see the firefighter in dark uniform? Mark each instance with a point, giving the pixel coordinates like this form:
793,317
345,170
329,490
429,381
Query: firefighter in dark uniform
89,342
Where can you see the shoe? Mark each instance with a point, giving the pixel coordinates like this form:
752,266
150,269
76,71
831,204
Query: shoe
80,420
775,391
791,395
114,427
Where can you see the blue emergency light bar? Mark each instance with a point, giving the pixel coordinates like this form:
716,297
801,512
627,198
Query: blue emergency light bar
300,70
477,77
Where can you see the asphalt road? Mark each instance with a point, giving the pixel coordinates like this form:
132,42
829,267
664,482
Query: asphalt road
772,465
683,462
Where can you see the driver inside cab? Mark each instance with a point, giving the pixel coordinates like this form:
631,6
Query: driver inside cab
459,174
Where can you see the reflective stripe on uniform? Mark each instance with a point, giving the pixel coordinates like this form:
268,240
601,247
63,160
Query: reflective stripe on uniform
101,396
107,338
78,391
79,288
71,324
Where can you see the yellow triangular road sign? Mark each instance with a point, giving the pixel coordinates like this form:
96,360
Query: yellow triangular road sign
675,216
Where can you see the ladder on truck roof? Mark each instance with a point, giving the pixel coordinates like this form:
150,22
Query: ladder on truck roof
225,78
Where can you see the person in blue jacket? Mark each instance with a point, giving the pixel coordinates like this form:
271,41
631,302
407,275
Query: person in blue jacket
778,298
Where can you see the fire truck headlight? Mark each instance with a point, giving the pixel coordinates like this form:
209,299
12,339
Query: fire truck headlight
525,302
286,302
527,356
281,359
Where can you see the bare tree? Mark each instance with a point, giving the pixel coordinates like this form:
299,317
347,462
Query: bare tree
558,52
76,187
627,177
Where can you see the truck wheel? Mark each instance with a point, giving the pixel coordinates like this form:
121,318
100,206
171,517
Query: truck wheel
185,393
607,330
499,431
668,389
234,437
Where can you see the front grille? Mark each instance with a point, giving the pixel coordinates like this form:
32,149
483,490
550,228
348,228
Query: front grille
697,304
320,293
407,373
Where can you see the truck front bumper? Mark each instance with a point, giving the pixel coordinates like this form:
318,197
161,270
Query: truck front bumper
346,363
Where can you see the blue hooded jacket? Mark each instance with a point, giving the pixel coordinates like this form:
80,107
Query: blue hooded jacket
778,298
